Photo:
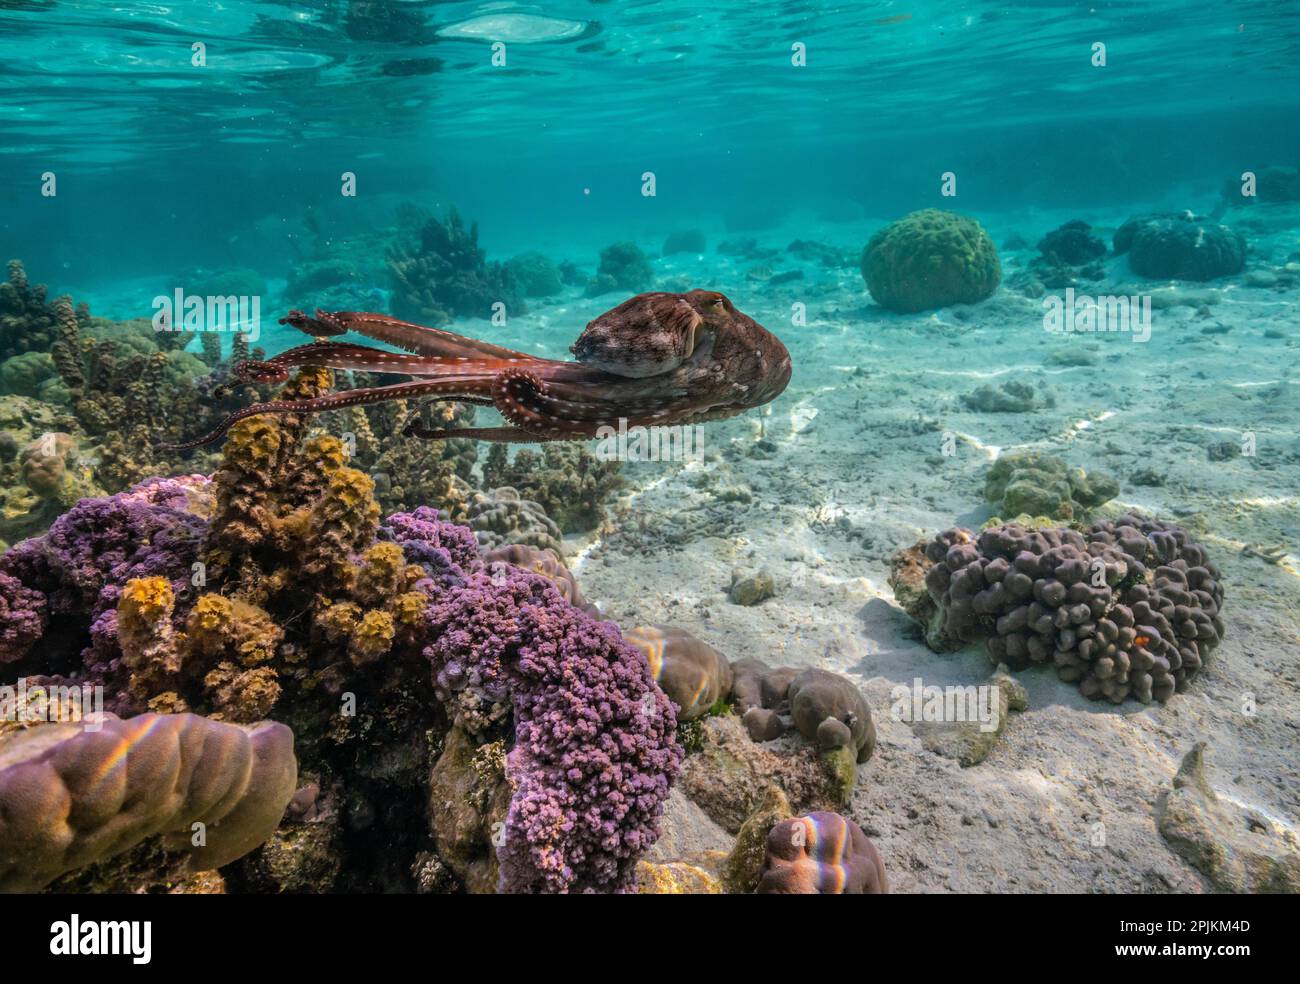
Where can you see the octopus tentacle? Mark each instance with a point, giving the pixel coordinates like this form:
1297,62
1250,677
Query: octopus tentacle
343,355
501,435
441,389
416,339
519,398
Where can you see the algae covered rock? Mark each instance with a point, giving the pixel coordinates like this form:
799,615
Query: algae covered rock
744,865
1234,850
930,259
1037,484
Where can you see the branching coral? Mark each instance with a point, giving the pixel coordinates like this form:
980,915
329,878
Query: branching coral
444,274
594,752
570,483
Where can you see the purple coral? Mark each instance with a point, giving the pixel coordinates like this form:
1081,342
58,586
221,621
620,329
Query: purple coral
594,749
73,574
437,546
22,618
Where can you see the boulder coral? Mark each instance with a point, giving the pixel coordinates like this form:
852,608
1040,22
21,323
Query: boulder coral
1129,607
693,674
73,795
930,259
821,854
1180,246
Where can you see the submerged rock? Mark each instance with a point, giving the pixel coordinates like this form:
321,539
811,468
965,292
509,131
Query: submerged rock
1235,850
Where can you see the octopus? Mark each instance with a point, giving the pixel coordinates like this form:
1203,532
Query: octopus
658,359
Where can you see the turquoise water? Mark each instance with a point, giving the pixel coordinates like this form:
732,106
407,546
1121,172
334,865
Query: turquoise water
293,154
165,164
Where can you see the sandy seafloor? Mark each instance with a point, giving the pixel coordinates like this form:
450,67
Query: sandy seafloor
854,471
858,472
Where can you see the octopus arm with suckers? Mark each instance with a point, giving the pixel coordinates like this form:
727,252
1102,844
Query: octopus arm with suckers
658,359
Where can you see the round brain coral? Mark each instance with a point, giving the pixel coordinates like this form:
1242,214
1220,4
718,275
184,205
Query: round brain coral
930,259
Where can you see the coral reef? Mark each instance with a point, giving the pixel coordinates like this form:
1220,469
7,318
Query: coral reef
1180,246
570,483
128,387
73,796
821,854
276,590
502,517
930,259
441,273
1037,484
536,274
693,674
623,267
1129,607
28,322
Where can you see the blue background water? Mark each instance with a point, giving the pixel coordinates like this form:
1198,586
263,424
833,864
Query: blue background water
162,165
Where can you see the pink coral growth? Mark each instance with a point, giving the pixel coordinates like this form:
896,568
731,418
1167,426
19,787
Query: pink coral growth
594,751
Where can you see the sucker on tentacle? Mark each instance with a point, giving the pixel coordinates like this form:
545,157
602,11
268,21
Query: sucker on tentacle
657,359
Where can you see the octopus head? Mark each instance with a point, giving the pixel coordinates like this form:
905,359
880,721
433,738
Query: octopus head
653,333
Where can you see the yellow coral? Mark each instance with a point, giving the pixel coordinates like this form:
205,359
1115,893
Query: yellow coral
146,599
372,638
337,620
408,608
323,452
253,443
674,878
224,627
383,568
